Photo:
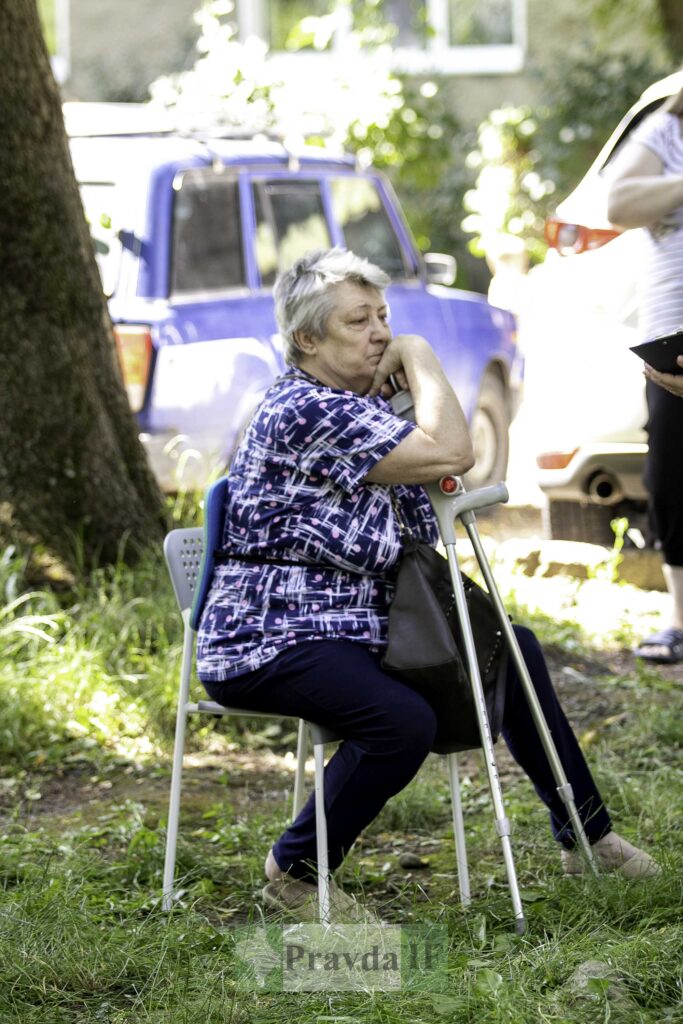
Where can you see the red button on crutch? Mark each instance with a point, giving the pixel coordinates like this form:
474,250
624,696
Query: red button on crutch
448,484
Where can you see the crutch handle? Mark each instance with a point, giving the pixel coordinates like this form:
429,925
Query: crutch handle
457,500
449,503
469,501
402,402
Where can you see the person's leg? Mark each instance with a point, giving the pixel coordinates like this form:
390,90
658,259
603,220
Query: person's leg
664,481
612,852
387,731
673,575
521,736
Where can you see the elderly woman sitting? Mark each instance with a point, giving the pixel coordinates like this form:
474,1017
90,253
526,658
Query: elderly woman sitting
296,619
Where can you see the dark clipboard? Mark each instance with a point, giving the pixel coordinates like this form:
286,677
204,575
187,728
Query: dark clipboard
661,352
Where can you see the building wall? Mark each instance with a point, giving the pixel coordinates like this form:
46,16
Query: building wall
119,46
555,28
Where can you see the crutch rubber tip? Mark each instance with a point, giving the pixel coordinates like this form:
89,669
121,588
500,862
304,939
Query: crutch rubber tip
520,926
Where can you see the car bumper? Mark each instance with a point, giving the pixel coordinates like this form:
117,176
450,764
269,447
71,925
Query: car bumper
602,473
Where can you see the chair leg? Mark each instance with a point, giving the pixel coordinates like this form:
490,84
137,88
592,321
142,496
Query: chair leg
177,772
459,831
174,810
299,778
321,831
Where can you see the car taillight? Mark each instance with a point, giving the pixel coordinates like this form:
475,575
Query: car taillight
569,238
134,348
555,460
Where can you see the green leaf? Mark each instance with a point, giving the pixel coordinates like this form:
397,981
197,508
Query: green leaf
444,1004
488,982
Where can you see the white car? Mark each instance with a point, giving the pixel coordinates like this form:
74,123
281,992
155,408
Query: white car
584,389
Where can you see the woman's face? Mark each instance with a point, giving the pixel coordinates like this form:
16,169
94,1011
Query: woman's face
356,335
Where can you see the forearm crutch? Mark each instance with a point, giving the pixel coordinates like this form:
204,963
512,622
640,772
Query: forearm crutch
451,502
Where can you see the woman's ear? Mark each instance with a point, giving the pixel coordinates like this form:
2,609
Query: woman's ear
306,343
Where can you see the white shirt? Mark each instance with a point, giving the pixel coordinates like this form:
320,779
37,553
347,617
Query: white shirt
661,306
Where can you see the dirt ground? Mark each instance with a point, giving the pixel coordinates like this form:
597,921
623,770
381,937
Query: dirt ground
264,776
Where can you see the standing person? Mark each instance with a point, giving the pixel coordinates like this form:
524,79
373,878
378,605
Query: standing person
646,191
295,621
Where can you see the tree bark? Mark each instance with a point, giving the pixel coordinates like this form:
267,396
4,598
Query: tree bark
73,474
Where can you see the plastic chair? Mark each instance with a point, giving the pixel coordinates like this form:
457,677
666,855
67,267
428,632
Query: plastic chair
189,556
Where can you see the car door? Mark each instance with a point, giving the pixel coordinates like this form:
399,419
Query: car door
214,351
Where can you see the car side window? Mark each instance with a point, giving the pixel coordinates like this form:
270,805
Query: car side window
290,220
367,230
207,234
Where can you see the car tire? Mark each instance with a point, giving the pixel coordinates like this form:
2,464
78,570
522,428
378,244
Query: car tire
489,428
582,521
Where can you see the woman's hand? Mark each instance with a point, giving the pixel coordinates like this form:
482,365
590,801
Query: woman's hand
401,349
669,381
440,443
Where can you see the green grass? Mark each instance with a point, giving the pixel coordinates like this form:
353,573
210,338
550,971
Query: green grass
82,937
92,669
87,688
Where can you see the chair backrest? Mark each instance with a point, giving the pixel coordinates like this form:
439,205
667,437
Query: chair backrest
215,499
183,550
190,554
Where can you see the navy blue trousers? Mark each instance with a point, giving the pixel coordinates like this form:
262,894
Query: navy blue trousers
388,730
662,475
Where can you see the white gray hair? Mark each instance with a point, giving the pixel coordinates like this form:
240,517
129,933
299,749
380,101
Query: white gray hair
303,294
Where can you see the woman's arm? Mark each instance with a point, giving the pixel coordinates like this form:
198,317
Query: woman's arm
639,193
440,444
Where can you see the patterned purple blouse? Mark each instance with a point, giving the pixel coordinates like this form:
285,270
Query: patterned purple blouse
297,492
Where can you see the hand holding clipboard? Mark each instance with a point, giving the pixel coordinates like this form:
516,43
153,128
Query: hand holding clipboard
663,359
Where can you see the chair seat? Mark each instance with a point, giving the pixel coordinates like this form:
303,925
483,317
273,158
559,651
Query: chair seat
211,707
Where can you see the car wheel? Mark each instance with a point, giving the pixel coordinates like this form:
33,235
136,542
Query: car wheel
489,429
576,520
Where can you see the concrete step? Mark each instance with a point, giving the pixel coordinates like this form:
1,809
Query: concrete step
545,558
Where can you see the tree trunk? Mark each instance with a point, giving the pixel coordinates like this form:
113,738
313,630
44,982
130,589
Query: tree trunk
73,474
671,13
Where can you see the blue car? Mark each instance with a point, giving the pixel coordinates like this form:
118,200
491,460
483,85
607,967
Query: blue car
190,232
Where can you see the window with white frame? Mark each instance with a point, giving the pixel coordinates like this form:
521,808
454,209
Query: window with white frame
448,36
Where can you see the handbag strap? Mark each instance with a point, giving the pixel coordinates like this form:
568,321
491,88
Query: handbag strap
404,530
